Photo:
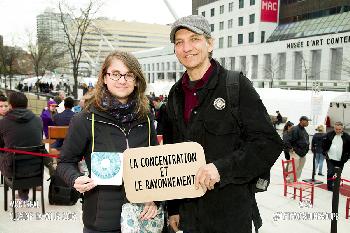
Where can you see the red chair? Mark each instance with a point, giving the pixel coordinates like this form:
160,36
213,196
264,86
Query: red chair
347,208
300,189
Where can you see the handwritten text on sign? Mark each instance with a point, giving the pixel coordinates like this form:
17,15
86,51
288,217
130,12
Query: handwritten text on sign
163,172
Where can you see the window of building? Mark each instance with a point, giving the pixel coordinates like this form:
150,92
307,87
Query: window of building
241,4
240,38
221,9
252,2
222,62
230,23
221,26
252,18
203,13
212,12
251,37
240,21
229,41
232,63
262,36
221,42
212,27
230,6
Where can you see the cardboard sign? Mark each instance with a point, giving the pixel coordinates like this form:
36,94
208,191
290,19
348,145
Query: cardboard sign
164,172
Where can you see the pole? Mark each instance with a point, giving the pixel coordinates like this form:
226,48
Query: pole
335,199
312,180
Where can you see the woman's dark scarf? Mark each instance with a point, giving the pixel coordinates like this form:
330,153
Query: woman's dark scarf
124,113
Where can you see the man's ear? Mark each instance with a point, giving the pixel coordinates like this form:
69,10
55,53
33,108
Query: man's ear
210,44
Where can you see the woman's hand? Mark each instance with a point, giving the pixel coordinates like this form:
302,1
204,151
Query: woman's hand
83,184
174,221
149,212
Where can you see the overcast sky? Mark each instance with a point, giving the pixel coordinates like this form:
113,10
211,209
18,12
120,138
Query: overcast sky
19,16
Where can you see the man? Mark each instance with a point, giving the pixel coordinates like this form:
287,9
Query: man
19,128
63,119
198,110
60,101
278,119
298,145
160,114
337,149
4,106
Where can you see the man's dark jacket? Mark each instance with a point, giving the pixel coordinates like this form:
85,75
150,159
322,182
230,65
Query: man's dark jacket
239,154
19,128
63,118
298,140
327,143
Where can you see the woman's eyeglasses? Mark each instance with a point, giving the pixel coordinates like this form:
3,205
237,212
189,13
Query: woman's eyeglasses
115,76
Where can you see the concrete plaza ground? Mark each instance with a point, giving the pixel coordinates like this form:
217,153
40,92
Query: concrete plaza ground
272,205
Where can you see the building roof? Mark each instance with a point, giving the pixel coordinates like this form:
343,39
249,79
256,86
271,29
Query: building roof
314,27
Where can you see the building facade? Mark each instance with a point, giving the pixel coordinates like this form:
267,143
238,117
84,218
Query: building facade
302,55
198,3
298,10
105,35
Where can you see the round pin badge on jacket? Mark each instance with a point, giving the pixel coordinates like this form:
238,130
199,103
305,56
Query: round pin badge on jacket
219,103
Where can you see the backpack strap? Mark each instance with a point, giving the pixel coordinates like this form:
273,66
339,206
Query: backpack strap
149,131
93,132
232,90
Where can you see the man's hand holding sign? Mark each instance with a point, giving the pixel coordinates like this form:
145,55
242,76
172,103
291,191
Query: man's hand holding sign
207,176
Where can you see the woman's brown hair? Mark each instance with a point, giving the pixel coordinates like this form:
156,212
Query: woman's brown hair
130,61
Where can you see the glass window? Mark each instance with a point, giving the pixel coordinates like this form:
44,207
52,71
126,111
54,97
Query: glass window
230,23
221,42
251,37
221,26
229,41
252,2
230,6
211,27
240,38
262,36
241,4
203,13
212,12
240,21
251,18
221,9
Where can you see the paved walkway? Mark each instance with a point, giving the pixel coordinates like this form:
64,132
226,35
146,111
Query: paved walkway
271,203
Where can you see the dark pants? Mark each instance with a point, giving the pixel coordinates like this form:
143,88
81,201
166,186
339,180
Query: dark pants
86,230
331,164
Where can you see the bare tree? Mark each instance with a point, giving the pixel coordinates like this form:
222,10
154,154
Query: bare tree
273,70
9,62
75,29
46,56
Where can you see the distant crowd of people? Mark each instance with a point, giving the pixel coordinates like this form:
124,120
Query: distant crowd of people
333,146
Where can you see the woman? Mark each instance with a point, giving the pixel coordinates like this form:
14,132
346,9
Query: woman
120,113
47,116
317,148
285,134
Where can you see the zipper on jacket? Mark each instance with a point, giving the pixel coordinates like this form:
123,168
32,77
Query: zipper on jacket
123,131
